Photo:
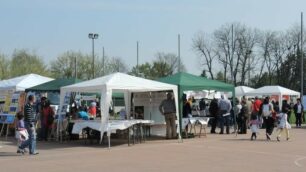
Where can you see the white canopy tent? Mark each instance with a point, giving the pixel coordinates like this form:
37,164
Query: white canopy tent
117,82
273,90
242,90
23,82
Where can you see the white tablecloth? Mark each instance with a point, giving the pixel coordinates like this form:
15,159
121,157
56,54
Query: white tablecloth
112,125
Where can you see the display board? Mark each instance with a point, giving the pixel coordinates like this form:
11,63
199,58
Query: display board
10,103
150,102
65,106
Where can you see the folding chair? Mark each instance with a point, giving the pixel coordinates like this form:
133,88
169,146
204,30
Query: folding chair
192,123
203,123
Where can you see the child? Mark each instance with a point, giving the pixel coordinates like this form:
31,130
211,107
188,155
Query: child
283,124
254,125
21,132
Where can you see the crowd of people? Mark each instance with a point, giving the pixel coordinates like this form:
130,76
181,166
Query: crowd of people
249,113
254,114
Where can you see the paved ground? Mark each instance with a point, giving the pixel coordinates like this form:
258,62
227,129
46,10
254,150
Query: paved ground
214,153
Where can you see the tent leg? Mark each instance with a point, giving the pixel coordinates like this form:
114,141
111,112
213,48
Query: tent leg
7,130
129,137
2,129
108,138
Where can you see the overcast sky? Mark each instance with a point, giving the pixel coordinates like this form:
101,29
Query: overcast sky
51,27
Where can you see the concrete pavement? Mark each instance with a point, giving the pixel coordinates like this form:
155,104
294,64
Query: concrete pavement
213,153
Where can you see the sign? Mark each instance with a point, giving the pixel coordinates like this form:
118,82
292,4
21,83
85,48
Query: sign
7,118
88,98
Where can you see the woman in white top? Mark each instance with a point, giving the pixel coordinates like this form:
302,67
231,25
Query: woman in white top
283,124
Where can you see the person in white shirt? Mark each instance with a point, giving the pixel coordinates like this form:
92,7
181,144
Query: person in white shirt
283,124
266,110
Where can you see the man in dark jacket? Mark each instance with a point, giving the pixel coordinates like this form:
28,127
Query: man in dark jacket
299,112
213,110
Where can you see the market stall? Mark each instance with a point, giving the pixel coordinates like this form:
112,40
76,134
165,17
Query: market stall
275,92
12,95
117,82
189,82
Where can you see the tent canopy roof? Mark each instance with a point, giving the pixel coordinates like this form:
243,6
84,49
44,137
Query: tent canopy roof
119,82
188,81
241,90
54,85
272,90
23,82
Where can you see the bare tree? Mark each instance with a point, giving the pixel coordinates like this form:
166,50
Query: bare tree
235,44
171,60
247,39
203,46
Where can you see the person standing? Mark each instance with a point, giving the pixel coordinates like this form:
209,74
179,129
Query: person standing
224,116
47,119
254,126
213,111
298,111
168,109
29,114
256,108
248,104
242,118
283,124
266,110
287,109
21,132
202,105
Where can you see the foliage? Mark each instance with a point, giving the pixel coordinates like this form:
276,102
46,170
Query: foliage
72,64
4,67
24,62
165,64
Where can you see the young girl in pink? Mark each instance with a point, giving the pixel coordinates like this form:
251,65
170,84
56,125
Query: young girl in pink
21,132
254,126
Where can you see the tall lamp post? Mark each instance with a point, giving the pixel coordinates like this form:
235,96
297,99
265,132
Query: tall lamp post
93,36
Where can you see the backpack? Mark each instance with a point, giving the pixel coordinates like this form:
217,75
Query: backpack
266,110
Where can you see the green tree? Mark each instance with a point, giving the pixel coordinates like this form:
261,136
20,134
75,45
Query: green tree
143,70
72,64
24,62
203,74
220,76
4,67
111,65
161,69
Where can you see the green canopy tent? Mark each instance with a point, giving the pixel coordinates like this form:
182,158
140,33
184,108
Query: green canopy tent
53,88
189,82
54,85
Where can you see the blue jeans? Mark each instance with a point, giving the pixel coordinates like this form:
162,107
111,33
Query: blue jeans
31,142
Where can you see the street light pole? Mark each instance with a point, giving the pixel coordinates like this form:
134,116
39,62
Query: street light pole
103,61
137,44
93,36
179,51
302,60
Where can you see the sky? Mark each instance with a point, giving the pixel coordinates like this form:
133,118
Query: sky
50,28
